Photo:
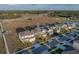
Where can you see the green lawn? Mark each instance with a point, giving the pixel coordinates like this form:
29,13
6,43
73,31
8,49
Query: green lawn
76,28
77,20
55,50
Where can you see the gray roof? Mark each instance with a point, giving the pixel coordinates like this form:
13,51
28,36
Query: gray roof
61,46
24,33
40,49
70,52
77,41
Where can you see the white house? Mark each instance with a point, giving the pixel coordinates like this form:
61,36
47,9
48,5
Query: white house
50,31
64,25
69,26
27,36
76,45
30,36
59,29
73,25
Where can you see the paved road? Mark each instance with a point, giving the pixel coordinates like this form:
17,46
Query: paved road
28,48
4,38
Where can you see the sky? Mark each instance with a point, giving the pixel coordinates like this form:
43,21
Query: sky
39,6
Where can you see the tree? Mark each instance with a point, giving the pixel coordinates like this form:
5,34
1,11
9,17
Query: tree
63,30
41,38
29,18
27,43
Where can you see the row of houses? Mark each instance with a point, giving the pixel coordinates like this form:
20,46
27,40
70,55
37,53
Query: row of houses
30,35
69,44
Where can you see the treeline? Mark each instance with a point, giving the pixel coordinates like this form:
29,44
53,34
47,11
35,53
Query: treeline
37,12
24,12
19,13
64,13
9,14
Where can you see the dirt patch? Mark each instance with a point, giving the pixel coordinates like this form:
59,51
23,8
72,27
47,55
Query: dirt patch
13,41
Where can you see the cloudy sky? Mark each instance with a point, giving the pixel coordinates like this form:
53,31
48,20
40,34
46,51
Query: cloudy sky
39,6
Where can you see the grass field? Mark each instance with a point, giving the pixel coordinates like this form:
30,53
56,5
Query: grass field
77,20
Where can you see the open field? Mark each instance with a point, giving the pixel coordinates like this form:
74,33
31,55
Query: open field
10,25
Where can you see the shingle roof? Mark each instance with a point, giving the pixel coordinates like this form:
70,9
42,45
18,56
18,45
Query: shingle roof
24,33
77,41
